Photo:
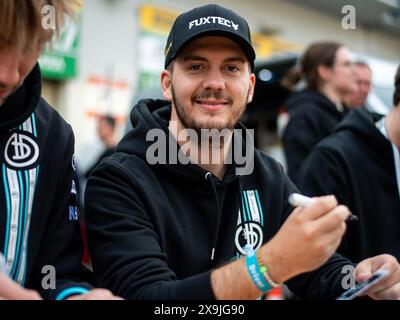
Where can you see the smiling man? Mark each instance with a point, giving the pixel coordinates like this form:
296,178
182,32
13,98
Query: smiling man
215,63
201,230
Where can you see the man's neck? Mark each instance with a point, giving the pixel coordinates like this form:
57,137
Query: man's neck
218,169
393,125
209,158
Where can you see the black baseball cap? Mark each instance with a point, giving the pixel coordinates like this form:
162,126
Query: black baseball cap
209,20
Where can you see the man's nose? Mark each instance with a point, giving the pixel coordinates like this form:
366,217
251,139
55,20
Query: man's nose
214,80
9,70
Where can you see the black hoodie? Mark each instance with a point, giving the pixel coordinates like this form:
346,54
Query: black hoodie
152,228
39,226
356,164
312,117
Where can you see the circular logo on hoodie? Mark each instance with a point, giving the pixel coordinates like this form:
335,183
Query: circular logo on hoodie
248,233
21,150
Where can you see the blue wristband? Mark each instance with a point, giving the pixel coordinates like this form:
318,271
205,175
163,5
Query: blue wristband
71,292
254,271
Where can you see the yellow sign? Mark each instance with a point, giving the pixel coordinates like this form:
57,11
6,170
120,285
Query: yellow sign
155,19
266,46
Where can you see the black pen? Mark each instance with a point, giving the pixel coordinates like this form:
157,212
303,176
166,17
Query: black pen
299,200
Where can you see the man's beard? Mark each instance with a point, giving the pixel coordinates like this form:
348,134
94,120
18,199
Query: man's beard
191,123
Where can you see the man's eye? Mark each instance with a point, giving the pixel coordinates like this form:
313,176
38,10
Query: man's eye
195,67
232,68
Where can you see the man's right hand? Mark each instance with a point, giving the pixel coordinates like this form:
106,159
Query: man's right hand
306,240
10,290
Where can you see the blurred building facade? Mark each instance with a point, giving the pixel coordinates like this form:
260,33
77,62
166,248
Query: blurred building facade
113,52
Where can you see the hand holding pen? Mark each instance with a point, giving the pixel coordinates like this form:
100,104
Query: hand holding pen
309,236
299,200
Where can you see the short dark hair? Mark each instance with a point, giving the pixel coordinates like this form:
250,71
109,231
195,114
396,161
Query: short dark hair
396,96
170,66
361,63
110,120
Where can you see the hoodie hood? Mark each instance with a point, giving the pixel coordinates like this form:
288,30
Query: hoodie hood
310,97
155,114
20,105
362,123
146,115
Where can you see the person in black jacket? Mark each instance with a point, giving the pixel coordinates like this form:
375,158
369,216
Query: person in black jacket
39,230
359,164
166,221
106,132
315,111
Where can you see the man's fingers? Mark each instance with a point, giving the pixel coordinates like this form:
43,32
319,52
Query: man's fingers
390,293
388,287
334,219
363,270
329,229
319,207
393,277
334,238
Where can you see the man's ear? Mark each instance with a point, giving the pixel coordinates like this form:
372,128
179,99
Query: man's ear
166,83
252,86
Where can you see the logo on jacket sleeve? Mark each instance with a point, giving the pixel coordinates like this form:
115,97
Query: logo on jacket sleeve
21,150
72,207
73,213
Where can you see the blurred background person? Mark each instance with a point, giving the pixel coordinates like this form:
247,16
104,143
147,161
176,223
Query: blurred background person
363,80
106,126
360,165
315,111
292,82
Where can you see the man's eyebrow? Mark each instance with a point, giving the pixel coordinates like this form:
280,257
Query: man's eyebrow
194,57
199,58
235,59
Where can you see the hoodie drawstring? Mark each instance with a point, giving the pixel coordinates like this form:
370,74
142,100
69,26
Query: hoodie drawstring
241,204
210,178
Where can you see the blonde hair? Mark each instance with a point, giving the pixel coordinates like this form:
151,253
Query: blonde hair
21,21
